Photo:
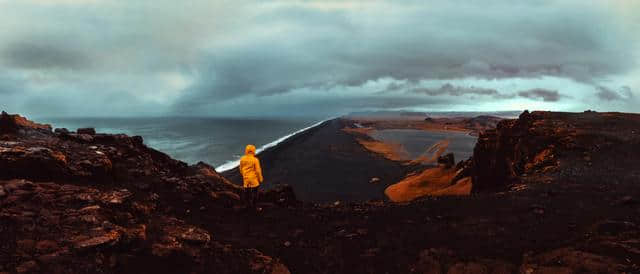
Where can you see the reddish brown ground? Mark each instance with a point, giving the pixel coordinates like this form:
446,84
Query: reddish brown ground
431,182
574,210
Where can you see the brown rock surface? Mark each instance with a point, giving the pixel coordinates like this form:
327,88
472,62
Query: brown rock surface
12,124
112,205
551,146
149,213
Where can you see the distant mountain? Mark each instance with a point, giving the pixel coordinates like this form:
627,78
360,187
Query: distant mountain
385,113
390,114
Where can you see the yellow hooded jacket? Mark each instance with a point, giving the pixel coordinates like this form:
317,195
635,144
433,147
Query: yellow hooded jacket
250,167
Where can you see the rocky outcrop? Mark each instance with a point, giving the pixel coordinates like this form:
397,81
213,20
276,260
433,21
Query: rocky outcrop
18,161
14,124
88,131
88,202
438,261
501,155
65,228
482,122
117,206
545,146
447,160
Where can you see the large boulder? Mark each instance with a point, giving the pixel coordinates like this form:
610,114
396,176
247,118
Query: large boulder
35,163
501,156
87,130
280,194
15,124
570,260
448,160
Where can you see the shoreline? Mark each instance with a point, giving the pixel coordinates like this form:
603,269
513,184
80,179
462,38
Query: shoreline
325,164
394,150
469,125
433,179
229,165
78,196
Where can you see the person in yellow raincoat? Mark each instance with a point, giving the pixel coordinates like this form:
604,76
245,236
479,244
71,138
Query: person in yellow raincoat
251,174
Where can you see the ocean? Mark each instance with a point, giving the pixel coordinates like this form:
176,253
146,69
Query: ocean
219,142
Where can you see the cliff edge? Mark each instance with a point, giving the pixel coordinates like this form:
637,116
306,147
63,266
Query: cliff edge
85,202
556,147
553,193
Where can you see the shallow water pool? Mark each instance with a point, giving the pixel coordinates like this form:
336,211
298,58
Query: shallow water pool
416,142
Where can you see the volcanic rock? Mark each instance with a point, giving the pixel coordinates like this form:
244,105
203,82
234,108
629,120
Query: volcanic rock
87,216
624,201
46,246
468,268
115,197
447,160
537,143
83,192
61,131
88,131
110,238
27,267
14,124
280,194
569,260
427,264
195,235
228,196
35,162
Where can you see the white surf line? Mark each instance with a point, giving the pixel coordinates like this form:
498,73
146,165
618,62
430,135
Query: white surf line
233,164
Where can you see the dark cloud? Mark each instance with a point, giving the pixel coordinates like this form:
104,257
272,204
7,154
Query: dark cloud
394,86
210,53
608,94
449,89
539,93
374,102
43,55
332,49
626,92
288,105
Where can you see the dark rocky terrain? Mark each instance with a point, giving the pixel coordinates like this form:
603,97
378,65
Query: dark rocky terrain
545,147
65,208
80,202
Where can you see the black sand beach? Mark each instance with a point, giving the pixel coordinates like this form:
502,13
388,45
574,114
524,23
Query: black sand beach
104,203
327,164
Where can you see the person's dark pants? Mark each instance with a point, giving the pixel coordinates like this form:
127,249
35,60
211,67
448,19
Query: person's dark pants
251,195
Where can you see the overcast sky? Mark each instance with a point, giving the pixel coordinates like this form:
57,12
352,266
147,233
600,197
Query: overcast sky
247,58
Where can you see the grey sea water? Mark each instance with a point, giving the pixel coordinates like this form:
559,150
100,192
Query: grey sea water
213,140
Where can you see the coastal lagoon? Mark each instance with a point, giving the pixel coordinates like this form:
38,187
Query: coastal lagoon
416,142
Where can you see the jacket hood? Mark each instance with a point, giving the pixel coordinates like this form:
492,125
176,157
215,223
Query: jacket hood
250,149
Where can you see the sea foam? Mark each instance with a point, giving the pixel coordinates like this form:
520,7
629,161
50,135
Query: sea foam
233,164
